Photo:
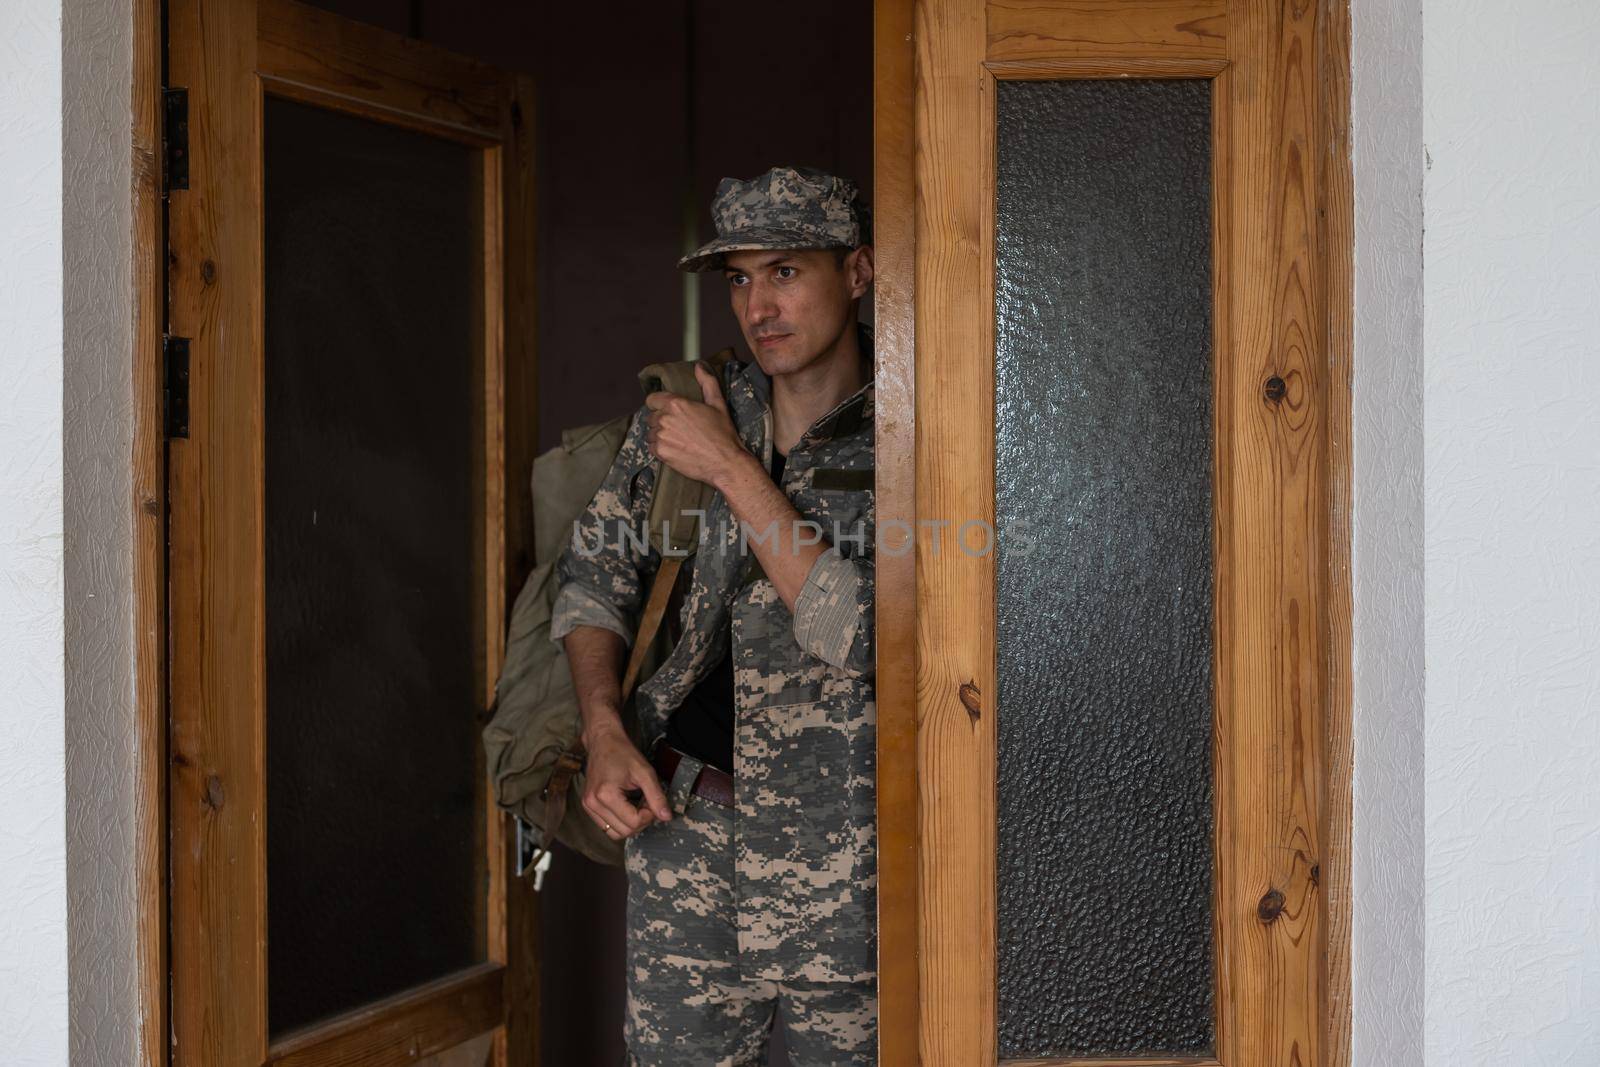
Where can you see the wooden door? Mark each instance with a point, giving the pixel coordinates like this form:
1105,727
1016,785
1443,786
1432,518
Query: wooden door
350,271
1113,816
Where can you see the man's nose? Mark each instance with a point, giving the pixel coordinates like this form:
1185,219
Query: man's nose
761,305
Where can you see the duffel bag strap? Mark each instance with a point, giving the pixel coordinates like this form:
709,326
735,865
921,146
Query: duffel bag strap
555,794
674,513
655,609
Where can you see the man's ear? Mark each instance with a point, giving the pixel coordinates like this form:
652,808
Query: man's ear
860,269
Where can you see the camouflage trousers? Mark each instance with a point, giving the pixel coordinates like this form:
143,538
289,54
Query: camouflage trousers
687,1005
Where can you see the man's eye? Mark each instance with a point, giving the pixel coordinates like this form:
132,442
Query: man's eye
737,279
781,273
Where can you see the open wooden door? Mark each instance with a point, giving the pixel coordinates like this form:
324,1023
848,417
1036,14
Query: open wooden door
350,371
1113,240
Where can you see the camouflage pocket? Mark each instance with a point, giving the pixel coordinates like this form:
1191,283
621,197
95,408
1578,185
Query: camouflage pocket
824,753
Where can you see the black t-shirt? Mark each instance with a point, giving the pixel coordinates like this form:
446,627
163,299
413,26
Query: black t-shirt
702,725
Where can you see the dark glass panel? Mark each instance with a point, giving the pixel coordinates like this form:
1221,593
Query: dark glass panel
373,881
1103,459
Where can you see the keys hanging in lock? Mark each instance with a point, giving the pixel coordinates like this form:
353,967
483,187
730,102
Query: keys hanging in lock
539,868
530,857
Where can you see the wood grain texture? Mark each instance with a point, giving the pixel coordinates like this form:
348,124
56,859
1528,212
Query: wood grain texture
149,511
1137,1061
418,1023
1101,29
1223,413
894,319
517,1043
1336,185
217,737
1281,239
1223,410
478,1052
217,809
489,526
1078,67
520,184
311,55
955,482
1272,494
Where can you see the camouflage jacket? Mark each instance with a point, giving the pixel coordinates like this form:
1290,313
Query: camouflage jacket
805,712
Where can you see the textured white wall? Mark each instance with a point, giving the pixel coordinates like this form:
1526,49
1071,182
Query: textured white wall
97,446
66,733
1386,536
1512,125
33,892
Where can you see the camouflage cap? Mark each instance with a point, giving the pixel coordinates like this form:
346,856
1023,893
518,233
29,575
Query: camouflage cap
787,207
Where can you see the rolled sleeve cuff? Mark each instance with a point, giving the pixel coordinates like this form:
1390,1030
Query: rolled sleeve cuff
827,613
576,606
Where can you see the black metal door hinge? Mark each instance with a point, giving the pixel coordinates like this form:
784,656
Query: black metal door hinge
175,392
175,138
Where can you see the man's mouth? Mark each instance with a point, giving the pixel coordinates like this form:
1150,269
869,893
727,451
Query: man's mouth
771,338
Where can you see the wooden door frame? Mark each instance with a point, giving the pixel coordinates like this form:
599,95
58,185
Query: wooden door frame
508,984
900,859
148,509
904,798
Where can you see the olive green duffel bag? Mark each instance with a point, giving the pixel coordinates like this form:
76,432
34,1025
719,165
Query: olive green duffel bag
535,755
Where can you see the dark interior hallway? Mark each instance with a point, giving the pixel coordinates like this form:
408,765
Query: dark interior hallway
642,109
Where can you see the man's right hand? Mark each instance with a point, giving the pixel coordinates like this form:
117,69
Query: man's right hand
613,768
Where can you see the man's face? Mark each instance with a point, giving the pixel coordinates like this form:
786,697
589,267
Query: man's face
793,305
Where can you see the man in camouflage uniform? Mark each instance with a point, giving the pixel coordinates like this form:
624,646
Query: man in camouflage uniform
736,910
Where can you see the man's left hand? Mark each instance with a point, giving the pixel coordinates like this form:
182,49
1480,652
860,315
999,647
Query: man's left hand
695,438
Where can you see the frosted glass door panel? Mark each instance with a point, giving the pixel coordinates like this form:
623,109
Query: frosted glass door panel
1104,588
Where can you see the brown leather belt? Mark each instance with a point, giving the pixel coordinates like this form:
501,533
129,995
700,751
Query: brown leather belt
713,784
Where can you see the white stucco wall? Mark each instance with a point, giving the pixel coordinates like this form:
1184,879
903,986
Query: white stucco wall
67,908
1512,126
33,872
97,445
1387,955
